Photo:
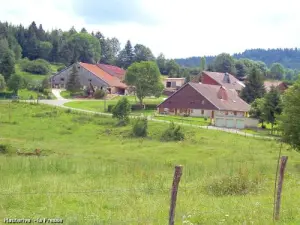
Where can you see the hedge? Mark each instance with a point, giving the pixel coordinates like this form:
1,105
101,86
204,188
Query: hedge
136,107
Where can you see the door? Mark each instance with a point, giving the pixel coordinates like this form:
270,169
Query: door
230,123
220,122
240,124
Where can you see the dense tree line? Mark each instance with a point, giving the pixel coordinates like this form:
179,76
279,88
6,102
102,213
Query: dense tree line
282,64
288,57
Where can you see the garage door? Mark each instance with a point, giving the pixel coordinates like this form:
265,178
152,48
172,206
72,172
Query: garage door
240,124
230,123
220,122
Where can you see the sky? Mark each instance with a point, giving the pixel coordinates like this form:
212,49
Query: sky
176,28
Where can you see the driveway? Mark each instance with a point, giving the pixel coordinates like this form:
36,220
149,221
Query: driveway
56,93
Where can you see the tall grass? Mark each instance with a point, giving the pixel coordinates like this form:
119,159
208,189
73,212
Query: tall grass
93,172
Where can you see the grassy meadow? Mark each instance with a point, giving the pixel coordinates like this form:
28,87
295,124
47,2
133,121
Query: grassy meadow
93,172
98,105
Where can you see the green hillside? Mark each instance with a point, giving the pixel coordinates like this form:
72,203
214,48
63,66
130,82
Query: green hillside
92,172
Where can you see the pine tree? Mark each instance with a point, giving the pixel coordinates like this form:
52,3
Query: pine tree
126,56
272,106
7,64
73,84
254,87
202,64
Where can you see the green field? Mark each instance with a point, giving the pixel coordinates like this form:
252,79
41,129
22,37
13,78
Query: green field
98,105
93,172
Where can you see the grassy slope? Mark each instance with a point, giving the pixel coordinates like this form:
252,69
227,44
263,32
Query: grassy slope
81,155
24,93
98,105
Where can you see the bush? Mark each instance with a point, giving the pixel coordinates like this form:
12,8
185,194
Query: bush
172,133
4,149
110,108
136,107
237,184
77,93
151,106
140,127
61,68
122,110
38,66
99,94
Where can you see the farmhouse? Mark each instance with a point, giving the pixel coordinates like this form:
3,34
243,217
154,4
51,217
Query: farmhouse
276,83
223,106
224,79
172,84
94,76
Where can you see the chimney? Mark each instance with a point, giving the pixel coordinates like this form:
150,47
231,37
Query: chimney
222,93
226,78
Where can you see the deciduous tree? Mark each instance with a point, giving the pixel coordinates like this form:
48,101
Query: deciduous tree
145,76
15,83
2,83
289,122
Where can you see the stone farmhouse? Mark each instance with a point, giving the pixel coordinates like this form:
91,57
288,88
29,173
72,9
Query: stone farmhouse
94,76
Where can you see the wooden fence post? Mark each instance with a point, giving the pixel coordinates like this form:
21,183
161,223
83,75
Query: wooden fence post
176,180
283,162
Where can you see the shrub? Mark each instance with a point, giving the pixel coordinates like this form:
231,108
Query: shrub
60,68
151,106
136,107
77,93
38,66
146,106
110,107
4,148
172,133
140,127
237,184
99,94
122,110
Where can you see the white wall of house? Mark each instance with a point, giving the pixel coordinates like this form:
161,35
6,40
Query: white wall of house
235,122
200,113
174,82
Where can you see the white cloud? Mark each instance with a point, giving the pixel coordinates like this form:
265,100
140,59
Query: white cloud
186,28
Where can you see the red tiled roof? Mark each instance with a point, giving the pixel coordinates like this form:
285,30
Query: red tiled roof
218,77
211,92
221,97
113,70
103,75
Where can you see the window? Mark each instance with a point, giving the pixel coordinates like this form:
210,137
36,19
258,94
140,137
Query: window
202,111
235,113
168,84
62,79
